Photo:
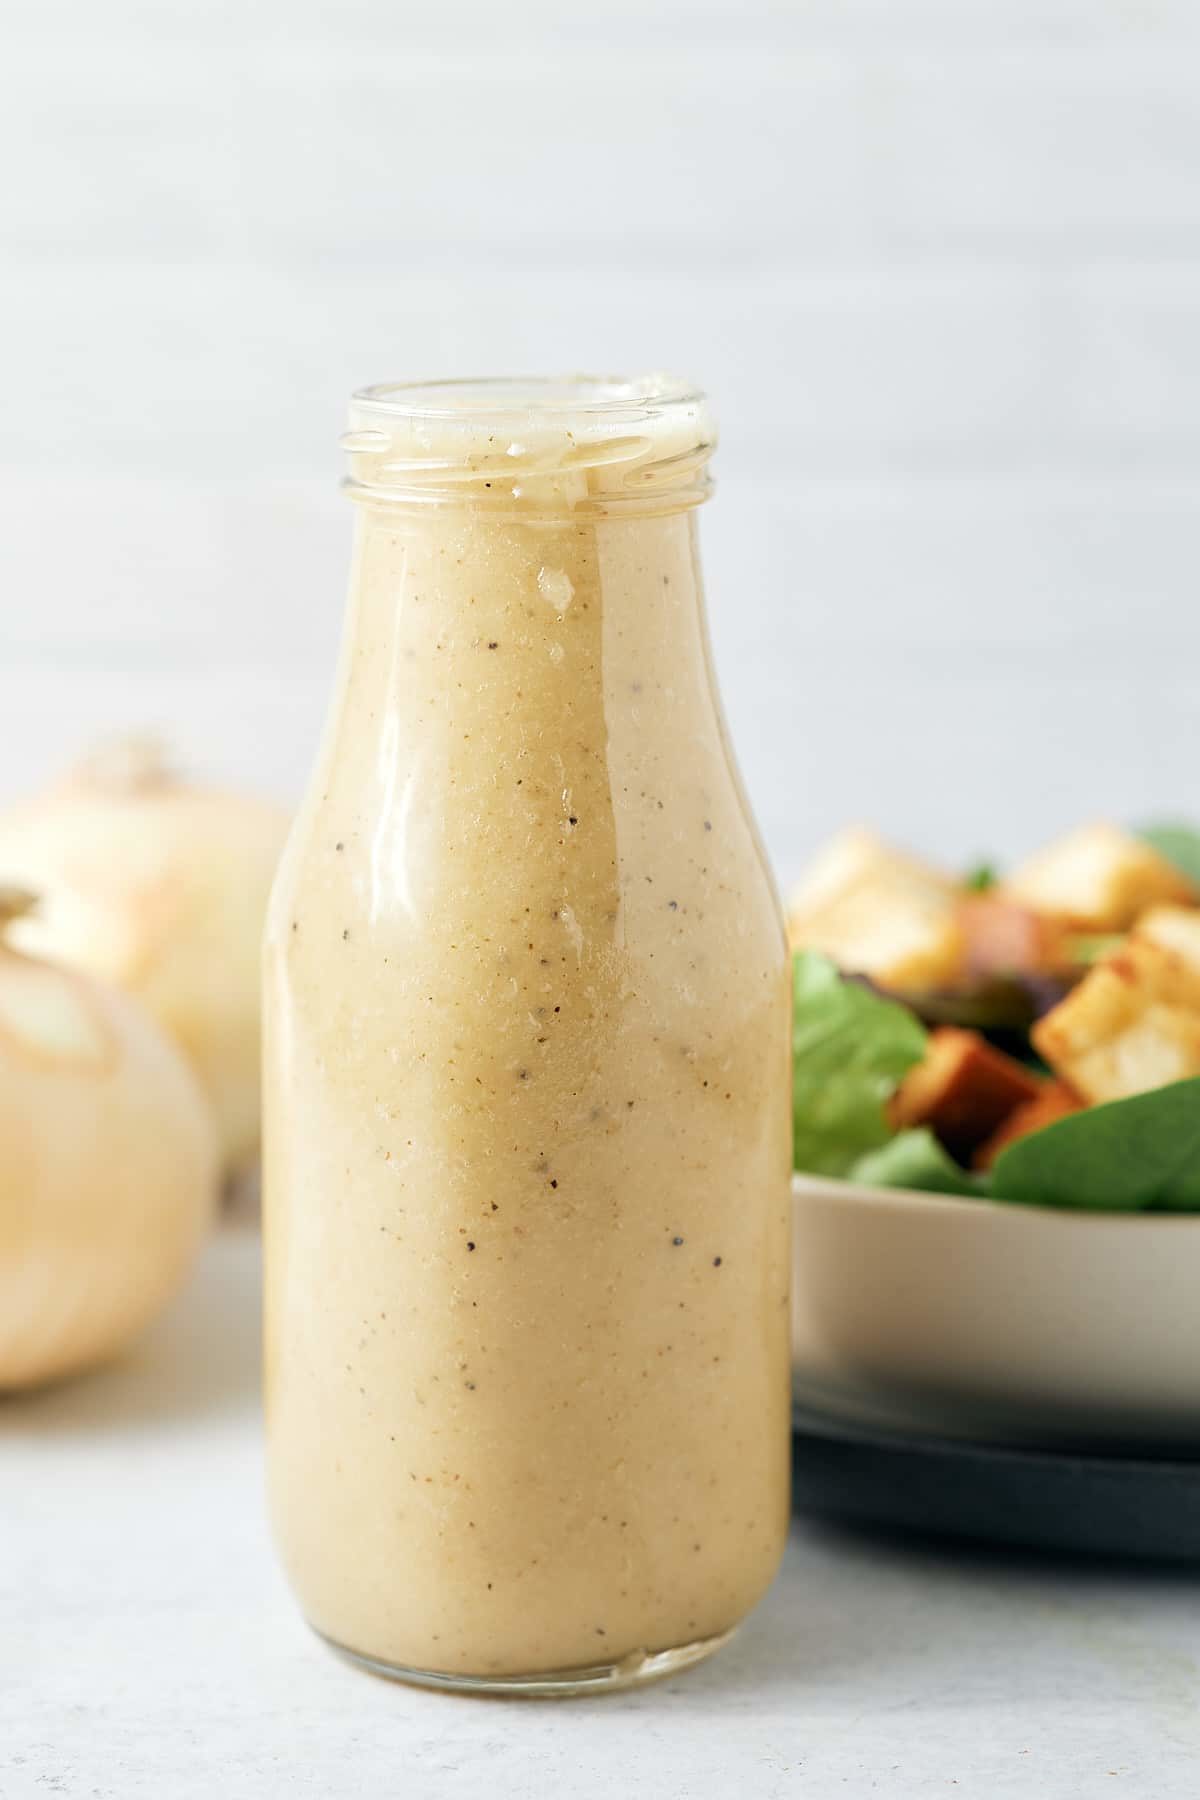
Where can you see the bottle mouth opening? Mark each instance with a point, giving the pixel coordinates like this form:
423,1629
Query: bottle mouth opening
520,443
521,396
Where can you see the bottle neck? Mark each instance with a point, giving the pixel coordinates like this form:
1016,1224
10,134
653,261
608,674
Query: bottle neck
440,582
552,679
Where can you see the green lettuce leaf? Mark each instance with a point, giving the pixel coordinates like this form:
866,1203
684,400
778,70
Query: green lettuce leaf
1124,1156
981,877
850,1050
1180,844
915,1159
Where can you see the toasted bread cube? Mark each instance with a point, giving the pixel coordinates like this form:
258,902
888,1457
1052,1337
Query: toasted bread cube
962,1090
878,912
1162,1045
1097,879
1053,1100
1174,928
906,938
1132,1024
836,866
854,856
1003,939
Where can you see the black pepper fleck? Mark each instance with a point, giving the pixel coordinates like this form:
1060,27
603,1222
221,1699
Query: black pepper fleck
673,905
470,1245
677,1241
708,824
553,1184
716,1262
493,644
345,934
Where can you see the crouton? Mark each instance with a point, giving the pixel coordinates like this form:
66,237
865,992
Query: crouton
851,857
904,938
1174,928
1004,939
1132,1024
963,1090
1053,1100
879,912
1097,879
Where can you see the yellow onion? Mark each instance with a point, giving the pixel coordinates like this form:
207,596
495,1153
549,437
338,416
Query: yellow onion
108,1167
159,887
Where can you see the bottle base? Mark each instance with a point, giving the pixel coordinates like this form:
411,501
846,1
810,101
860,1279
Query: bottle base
634,1670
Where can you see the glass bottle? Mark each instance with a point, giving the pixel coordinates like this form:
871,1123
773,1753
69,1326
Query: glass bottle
527,1090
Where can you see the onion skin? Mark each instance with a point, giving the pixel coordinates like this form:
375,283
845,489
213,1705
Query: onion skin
108,1171
159,888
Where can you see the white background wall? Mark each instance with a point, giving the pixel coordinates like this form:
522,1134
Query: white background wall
938,262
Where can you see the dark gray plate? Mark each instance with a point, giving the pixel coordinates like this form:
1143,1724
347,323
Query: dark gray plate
1102,1505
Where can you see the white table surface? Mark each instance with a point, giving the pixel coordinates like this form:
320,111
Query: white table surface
150,1651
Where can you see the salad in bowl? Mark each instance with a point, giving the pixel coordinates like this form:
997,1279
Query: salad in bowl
997,1142
1033,1037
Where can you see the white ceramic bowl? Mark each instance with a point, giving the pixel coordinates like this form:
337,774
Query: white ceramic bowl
1014,1324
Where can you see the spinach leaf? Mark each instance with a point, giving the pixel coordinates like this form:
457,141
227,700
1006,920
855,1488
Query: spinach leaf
1124,1156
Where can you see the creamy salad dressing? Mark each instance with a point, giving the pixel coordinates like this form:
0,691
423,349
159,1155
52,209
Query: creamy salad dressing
527,1079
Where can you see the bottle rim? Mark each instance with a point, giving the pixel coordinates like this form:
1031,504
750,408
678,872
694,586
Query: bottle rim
480,397
540,444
